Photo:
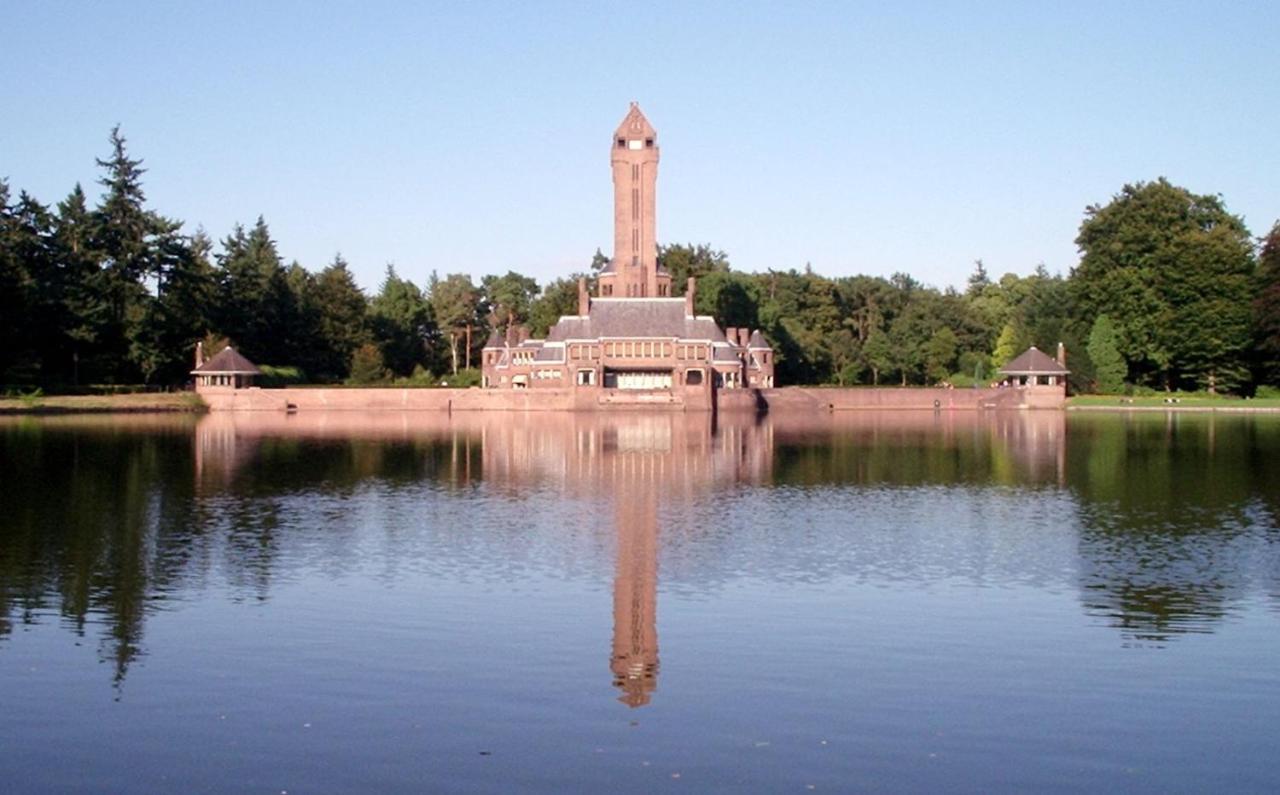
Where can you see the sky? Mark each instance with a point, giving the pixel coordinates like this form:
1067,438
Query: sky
854,137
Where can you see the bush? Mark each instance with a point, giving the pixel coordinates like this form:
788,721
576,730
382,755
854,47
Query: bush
1268,392
367,366
462,378
281,376
420,377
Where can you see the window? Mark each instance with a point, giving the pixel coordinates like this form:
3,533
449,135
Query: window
693,377
648,143
622,143
586,377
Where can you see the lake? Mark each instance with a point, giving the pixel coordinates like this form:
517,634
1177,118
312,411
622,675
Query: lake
895,601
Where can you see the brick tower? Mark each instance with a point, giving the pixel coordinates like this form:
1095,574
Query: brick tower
634,270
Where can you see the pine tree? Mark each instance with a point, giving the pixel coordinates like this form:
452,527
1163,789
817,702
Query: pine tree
1266,308
401,323
341,310
1108,364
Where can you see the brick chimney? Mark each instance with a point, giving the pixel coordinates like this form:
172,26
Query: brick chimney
690,293
199,354
584,299
1062,354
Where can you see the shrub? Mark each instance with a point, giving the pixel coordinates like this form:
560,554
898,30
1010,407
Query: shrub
281,376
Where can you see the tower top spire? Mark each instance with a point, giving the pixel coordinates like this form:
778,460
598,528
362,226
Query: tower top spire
635,126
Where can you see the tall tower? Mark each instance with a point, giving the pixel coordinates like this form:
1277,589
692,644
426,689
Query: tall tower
634,270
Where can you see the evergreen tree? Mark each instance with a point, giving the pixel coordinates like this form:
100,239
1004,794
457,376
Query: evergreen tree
180,315
340,309
86,310
124,237
509,298
1108,364
401,323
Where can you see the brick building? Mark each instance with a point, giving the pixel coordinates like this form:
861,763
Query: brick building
633,336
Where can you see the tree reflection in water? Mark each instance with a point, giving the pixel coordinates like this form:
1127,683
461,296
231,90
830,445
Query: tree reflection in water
103,521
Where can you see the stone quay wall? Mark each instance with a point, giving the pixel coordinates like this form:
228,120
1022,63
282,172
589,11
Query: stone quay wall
801,398
786,399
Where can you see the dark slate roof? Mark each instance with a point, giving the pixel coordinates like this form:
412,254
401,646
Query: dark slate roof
227,362
721,353
757,341
635,317
1034,362
495,340
608,267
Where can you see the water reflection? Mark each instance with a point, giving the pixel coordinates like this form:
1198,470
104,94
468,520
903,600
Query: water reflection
1163,526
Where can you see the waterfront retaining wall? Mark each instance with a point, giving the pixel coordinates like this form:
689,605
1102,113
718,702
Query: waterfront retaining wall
786,399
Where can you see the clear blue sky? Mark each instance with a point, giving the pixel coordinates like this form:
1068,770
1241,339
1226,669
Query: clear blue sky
473,137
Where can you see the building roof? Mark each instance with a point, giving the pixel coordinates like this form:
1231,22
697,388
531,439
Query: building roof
635,125
757,341
228,361
1034,362
494,341
635,317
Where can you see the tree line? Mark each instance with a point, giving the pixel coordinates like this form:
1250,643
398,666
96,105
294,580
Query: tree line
1171,292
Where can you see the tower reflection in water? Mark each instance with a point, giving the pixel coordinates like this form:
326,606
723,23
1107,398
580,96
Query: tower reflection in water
642,463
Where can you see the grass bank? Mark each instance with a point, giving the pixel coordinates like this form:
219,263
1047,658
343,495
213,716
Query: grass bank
1174,402
103,404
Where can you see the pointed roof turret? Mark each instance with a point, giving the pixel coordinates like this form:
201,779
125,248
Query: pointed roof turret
227,362
635,126
757,341
494,341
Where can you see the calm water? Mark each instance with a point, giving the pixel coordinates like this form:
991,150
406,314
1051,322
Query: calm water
892,602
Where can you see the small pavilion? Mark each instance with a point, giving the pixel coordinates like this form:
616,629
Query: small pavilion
1033,367
228,369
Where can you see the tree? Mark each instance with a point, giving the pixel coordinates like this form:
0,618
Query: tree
1266,307
510,299
940,354
558,298
1011,342
367,366
180,314
340,309
878,353
401,322
456,303
1172,270
683,261
1108,364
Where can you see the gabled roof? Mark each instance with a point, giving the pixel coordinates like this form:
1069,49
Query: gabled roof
227,362
1034,362
635,125
494,341
635,317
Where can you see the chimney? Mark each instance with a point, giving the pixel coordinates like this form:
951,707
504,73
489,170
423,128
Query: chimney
199,354
584,300
744,336
731,334
690,293
1062,355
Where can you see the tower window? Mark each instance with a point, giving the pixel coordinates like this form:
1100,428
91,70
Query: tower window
622,143
648,143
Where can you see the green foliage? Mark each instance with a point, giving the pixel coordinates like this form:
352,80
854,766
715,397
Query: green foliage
560,297
1012,341
420,377
1266,308
367,366
401,323
1108,365
683,261
274,376
1173,271
466,377
940,354
457,306
509,299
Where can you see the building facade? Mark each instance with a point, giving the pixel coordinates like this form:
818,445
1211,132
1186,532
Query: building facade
633,335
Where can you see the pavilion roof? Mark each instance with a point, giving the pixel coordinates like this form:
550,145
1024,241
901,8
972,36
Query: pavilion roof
228,361
1032,361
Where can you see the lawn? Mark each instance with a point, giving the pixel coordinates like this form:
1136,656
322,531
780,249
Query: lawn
66,404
